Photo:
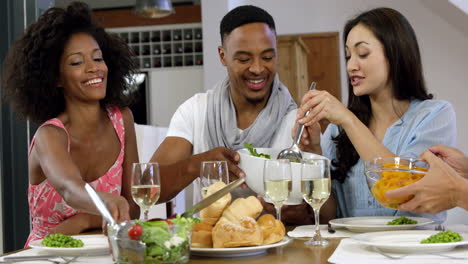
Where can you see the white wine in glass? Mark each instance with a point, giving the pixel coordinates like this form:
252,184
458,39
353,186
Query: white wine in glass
146,186
315,188
277,182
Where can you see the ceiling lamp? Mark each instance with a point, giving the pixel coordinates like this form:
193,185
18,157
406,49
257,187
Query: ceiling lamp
153,8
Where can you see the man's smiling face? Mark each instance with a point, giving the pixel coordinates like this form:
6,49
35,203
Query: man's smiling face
249,54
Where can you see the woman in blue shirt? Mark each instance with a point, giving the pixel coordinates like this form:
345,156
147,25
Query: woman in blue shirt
389,113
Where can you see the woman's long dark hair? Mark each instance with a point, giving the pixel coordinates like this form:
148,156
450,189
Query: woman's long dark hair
401,49
32,65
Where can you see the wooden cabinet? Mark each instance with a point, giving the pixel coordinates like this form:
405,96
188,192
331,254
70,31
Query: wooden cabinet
292,65
310,57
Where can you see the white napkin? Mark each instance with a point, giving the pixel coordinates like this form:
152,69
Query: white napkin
105,259
351,251
309,230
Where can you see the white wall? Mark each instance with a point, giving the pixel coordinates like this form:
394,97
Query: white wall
442,32
169,88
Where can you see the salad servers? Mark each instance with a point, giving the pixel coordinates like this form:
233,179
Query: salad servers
117,233
293,153
213,198
100,205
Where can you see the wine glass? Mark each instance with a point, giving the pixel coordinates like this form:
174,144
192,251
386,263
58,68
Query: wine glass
211,172
145,185
315,188
277,182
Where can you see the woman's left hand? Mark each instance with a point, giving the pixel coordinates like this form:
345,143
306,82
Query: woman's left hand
322,105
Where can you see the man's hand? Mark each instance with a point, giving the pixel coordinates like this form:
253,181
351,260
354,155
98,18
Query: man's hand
300,214
453,157
440,189
221,153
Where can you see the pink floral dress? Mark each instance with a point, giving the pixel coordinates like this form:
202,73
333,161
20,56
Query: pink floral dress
46,206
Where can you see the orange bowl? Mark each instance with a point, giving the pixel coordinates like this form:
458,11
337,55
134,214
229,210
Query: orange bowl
383,174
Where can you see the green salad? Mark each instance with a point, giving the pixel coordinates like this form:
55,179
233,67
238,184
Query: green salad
254,152
403,220
166,241
443,237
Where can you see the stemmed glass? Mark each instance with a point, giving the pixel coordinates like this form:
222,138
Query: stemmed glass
315,188
211,172
146,186
277,182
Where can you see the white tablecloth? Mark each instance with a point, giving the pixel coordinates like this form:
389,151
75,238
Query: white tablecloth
309,230
351,251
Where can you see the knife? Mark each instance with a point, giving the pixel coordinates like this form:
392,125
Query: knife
214,197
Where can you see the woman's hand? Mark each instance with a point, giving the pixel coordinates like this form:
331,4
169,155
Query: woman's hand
117,206
310,139
322,105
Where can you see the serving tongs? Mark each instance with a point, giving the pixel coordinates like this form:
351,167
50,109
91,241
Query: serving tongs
213,197
293,153
117,232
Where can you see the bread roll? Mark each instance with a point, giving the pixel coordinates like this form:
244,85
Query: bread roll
244,232
211,214
241,207
202,236
273,230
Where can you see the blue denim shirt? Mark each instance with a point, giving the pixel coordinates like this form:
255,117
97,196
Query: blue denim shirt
425,123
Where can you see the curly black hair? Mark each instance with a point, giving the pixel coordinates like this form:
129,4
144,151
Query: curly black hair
242,15
32,65
401,49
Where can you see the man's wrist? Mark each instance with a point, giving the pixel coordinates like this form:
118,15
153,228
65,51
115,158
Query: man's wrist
461,191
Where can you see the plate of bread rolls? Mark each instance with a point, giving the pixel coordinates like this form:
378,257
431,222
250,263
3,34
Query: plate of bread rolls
235,229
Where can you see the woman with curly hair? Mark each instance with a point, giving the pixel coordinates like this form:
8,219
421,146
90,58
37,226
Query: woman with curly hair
389,113
70,75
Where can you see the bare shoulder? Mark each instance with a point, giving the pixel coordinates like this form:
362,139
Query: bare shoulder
49,133
127,114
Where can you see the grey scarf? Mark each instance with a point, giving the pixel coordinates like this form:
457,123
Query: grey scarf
222,122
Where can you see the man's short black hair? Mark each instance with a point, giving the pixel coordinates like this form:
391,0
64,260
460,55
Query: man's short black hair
242,15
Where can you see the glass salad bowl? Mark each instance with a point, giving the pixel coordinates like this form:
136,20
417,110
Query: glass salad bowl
152,242
383,174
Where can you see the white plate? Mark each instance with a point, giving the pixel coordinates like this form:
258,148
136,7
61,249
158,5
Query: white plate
407,241
93,244
237,252
375,223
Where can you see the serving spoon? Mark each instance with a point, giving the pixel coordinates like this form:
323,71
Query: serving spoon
293,153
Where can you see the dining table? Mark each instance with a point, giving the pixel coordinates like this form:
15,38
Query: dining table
341,249
293,252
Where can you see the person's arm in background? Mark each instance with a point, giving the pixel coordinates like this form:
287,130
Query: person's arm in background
440,189
453,157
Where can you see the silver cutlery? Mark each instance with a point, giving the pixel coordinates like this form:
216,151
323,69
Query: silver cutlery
48,258
293,153
391,256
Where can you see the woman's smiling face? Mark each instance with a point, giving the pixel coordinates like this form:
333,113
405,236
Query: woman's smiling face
83,72
366,63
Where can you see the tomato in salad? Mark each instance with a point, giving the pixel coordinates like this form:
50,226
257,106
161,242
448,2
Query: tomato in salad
135,232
